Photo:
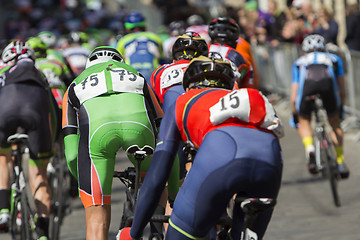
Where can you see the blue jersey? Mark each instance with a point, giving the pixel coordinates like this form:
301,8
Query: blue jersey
141,50
332,61
323,68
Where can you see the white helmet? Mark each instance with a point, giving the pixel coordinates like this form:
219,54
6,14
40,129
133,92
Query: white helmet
16,48
103,54
313,42
48,38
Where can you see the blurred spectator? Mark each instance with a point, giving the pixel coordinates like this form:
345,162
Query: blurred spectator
296,26
259,20
277,22
307,11
326,25
352,38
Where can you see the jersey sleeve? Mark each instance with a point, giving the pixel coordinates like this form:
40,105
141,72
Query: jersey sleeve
295,73
71,138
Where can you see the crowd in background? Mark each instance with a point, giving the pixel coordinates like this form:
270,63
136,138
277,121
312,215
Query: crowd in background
258,27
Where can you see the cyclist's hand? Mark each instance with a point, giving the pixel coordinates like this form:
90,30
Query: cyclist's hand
342,113
294,120
124,234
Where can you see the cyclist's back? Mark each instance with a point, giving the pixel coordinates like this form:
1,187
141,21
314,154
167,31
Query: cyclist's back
76,53
317,72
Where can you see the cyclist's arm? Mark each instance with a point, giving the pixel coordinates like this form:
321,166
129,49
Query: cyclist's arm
159,170
71,137
294,87
154,106
340,79
341,83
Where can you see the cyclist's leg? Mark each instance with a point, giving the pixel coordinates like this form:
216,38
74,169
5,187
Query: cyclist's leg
40,149
332,107
305,109
97,160
4,190
217,175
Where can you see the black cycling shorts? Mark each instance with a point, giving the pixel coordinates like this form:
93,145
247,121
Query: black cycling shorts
318,81
26,105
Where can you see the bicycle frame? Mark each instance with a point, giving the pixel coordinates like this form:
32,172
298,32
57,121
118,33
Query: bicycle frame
21,198
130,177
324,150
251,207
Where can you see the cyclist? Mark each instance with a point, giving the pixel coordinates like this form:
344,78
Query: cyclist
166,81
77,51
176,29
107,107
141,49
196,23
29,104
236,135
318,72
224,33
53,70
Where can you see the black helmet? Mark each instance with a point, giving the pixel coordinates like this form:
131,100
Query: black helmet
210,71
189,41
224,30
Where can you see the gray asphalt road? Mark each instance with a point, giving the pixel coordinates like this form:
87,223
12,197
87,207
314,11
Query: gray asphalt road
304,211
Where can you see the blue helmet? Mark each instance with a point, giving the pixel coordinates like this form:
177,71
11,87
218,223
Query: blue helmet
134,19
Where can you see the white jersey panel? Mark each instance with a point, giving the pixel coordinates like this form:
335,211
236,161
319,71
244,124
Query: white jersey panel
172,75
126,81
92,86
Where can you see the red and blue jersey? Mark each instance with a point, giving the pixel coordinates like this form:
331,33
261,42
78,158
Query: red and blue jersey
166,76
202,110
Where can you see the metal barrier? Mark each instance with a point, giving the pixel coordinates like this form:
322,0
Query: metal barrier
274,66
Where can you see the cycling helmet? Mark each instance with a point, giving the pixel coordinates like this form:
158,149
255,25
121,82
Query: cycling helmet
38,46
48,38
195,19
133,20
78,37
177,28
313,42
103,54
188,46
204,72
224,30
16,48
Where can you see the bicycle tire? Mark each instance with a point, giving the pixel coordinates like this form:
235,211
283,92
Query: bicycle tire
319,155
27,221
28,207
57,181
15,229
331,167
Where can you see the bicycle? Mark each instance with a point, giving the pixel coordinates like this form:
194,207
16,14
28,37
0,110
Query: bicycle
324,149
59,181
130,177
251,207
23,211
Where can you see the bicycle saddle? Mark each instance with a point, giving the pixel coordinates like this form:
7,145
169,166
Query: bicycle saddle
132,150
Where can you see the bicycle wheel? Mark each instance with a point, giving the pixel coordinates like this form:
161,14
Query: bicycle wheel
28,225
319,155
58,183
331,169
15,223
